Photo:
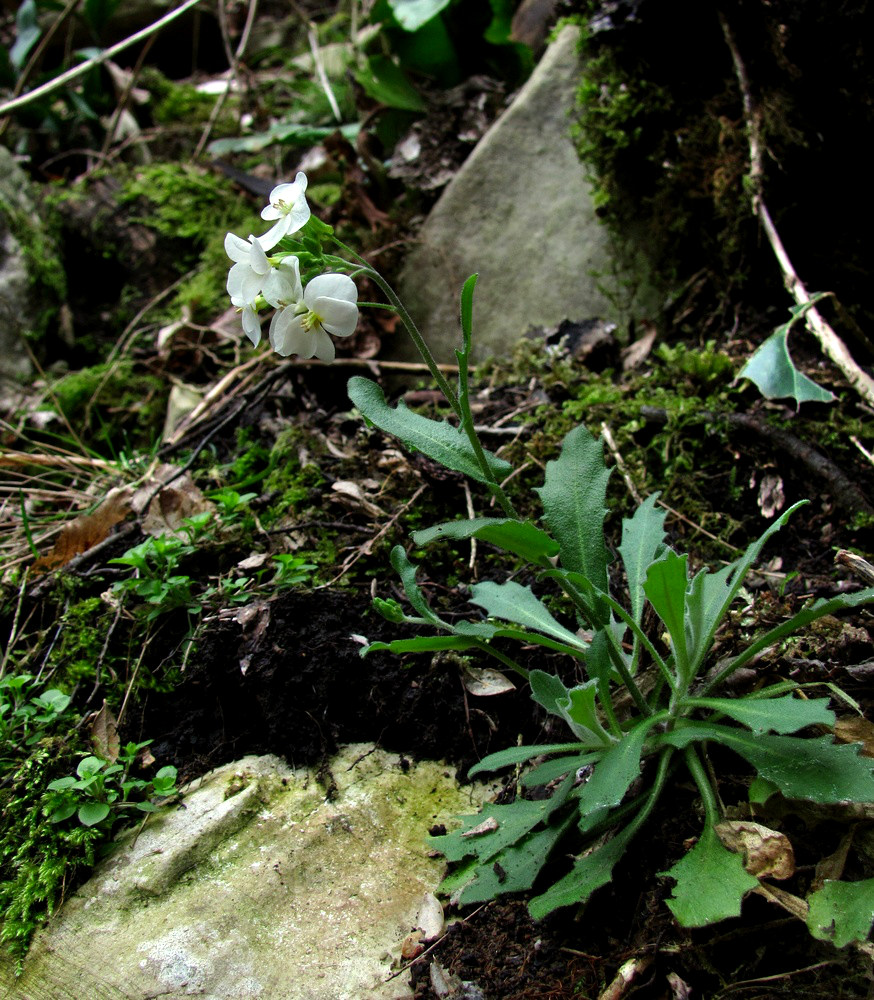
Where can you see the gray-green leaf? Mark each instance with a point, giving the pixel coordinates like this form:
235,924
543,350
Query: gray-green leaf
842,912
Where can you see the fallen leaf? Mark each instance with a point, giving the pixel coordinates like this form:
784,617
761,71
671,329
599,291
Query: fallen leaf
485,682
169,504
767,853
635,354
772,498
855,729
486,826
430,919
104,734
87,530
347,488
412,946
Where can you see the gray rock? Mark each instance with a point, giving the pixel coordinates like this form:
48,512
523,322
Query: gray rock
520,213
257,886
30,273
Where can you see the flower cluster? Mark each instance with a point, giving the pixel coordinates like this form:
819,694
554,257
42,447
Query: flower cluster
304,316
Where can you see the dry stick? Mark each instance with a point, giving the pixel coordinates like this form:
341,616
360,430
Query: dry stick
830,342
101,57
607,434
124,97
13,634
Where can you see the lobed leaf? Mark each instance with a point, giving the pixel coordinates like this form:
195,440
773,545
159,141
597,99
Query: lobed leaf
817,769
777,715
842,912
711,882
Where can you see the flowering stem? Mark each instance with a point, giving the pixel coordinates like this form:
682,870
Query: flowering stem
411,327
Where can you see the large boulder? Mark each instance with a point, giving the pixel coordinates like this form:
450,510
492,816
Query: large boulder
265,881
519,213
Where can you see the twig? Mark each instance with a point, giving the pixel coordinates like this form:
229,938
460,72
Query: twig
101,57
124,97
13,634
607,434
830,342
367,548
431,947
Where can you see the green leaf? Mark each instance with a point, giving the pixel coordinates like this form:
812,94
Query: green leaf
817,769
643,542
760,791
515,868
502,826
575,705
513,602
842,912
711,594
711,883
412,14
517,755
27,32
407,572
772,370
522,538
436,438
421,644
613,774
282,133
386,82
573,495
558,767
777,715
92,813
822,607
665,587
589,873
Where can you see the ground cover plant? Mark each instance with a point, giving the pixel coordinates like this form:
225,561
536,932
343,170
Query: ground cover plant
674,690
208,572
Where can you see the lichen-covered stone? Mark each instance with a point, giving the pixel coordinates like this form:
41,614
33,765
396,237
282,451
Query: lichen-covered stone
258,885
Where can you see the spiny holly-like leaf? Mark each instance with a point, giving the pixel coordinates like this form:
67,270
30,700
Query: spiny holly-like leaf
711,882
436,438
522,538
842,912
573,495
776,715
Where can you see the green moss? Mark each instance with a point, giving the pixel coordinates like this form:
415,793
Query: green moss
97,403
83,634
38,859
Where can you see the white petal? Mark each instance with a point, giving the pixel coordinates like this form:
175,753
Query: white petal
257,258
250,284
282,286
323,347
273,235
251,325
338,316
236,248
333,286
287,336
235,280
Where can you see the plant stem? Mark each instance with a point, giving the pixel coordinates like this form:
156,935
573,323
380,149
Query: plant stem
708,796
507,661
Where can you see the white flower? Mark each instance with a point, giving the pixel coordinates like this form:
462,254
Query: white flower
288,205
328,305
250,269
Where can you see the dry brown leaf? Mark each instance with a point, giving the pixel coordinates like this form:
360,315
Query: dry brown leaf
772,497
104,734
832,867
635,354
87,530
171,504
855,729
412,946
485,682
486,826
767,853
